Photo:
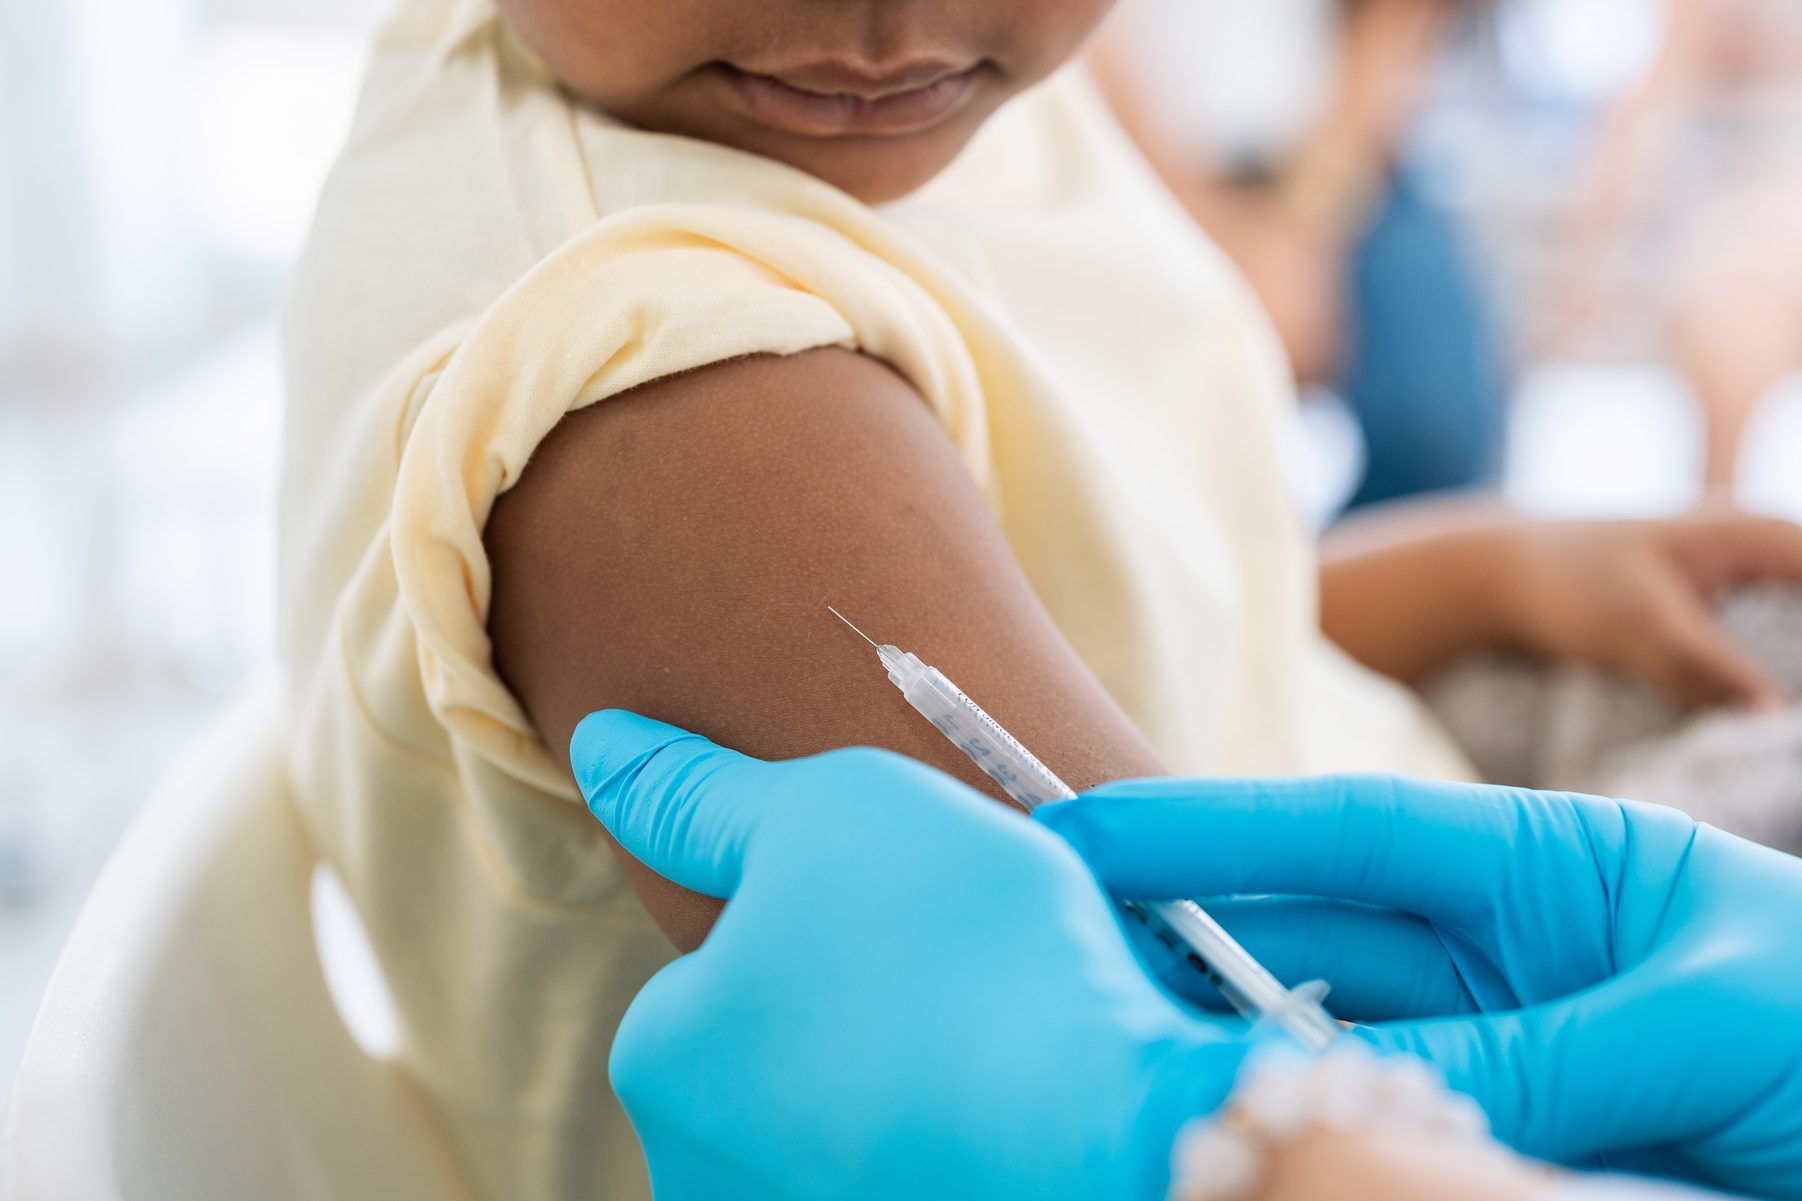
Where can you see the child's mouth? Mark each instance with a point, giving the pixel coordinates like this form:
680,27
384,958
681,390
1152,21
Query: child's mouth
873,109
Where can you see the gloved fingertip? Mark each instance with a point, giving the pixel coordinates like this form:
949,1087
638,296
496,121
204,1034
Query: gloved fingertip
607,745
1102,825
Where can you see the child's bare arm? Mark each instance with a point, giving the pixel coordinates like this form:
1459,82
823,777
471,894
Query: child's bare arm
672,551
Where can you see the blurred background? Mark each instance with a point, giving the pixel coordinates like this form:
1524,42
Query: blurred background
158,164
1549,246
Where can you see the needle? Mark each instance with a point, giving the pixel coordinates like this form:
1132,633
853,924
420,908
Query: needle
847,621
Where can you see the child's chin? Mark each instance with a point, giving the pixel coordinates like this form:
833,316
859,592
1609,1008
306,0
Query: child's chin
874,169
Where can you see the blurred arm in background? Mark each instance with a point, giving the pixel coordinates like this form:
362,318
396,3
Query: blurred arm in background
1290,225
1704,153
1363,275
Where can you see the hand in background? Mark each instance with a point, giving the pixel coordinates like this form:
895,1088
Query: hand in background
1409,588
1638,597
1648,970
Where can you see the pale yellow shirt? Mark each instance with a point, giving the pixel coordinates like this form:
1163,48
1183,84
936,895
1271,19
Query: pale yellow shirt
490,255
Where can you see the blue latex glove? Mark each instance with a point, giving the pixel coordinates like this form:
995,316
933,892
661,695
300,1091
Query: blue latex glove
1659,962
913,993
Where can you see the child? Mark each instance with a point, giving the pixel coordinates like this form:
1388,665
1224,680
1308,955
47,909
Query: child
630,335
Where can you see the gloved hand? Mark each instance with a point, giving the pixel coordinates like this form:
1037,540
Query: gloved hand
914,993
1659,962
1382,964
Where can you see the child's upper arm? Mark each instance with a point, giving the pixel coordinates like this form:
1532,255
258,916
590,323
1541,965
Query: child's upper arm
672,550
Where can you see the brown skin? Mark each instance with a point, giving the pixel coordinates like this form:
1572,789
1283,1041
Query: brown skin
1736,319
1408,588
672,552
666,66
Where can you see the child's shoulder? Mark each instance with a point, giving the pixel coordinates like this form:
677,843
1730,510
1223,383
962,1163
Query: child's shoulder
470,174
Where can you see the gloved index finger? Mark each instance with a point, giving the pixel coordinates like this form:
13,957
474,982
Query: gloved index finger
1443,851
681,805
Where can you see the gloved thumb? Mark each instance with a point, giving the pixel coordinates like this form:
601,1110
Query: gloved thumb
675,801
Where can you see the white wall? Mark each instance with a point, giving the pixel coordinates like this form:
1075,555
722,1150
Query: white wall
152,151
158,164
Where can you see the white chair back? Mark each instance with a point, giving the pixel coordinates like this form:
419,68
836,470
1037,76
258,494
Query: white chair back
188,1047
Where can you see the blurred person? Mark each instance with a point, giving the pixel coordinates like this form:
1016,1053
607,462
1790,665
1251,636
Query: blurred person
1280,126
1697,171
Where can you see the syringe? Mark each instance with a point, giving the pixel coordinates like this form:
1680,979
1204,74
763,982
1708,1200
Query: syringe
1242,980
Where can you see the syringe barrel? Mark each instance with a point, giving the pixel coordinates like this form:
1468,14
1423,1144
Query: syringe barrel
999,754
1247,984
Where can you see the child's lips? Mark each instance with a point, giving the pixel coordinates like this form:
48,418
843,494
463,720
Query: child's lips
783,105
